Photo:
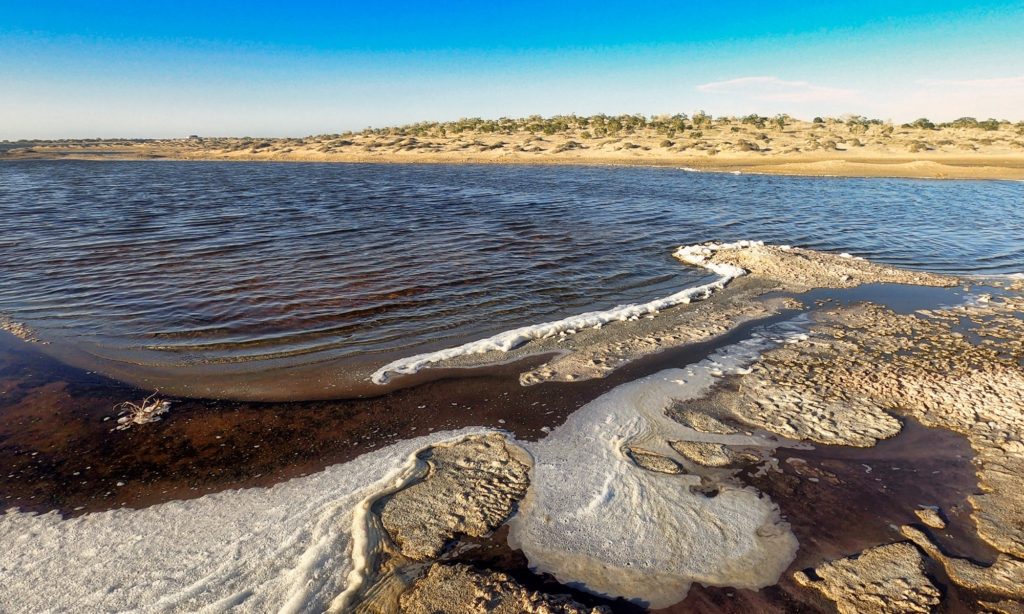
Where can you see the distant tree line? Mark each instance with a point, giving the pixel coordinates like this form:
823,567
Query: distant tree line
602,125
963,122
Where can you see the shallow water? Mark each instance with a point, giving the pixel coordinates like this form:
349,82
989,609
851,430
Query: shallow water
176,263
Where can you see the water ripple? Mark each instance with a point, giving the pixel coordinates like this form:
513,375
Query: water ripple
185,263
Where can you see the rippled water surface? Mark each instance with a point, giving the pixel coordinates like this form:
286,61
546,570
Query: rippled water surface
178,263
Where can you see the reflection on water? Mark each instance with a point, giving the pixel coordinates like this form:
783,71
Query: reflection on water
178,263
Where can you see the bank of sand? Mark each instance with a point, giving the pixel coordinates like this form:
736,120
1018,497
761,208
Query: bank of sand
700,475
830,148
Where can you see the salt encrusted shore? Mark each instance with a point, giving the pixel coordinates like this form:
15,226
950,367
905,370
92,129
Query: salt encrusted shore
642,493
588,347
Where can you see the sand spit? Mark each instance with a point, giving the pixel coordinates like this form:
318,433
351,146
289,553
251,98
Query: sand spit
854,147
884,580
797,270
511,339
597,355
593,344
458,589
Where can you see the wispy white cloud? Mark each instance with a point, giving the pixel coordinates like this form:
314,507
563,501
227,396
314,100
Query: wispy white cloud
1000,97
773,89
996,83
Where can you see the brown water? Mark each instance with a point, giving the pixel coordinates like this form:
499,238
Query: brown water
256,279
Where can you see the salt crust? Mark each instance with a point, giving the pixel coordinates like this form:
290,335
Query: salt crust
1002,607
861,365
470,489
503,342
287,548
466,487
704,453
786,268
623,530
771,268
1004,578
458,589
647,535
591,515
884,580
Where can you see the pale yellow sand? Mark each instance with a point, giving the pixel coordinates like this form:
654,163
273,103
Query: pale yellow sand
831,148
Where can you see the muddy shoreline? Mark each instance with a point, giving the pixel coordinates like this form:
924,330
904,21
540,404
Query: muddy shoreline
60,452
54,426
57,438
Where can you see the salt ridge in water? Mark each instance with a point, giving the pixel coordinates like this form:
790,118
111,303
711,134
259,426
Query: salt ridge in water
503,342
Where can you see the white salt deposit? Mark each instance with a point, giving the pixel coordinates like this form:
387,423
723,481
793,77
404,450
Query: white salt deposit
593,517
503,342
590,516
284,549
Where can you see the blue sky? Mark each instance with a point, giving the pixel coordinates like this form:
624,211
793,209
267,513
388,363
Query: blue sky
80,69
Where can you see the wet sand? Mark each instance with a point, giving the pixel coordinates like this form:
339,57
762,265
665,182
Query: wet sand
838,164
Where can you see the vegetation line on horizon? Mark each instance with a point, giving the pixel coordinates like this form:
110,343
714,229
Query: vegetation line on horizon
603,126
